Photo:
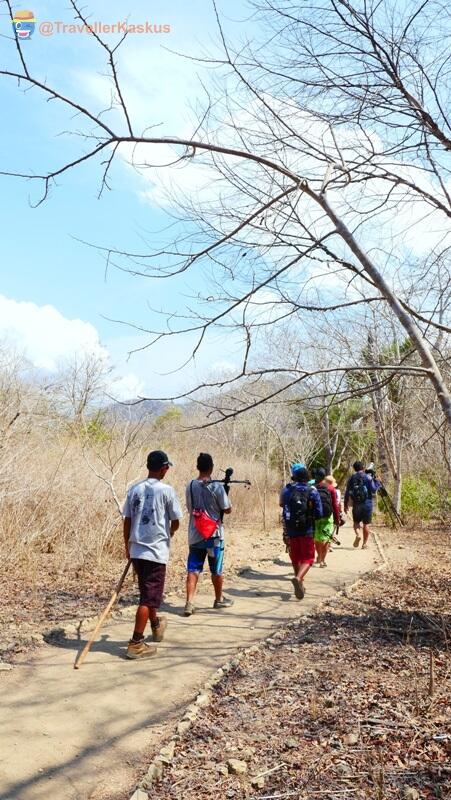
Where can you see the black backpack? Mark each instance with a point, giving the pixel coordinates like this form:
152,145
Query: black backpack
300,509
359,490
326,501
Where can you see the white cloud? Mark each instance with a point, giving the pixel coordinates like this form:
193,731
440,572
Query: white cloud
155,112
162,368
223,367
45,336
155,108
263,307
404,219
126,387
48,340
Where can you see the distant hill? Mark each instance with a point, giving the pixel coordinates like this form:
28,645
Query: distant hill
136,409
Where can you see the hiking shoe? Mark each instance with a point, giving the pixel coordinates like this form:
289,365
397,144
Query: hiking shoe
189,609
356,540
298,587
158,630
224,602
140,650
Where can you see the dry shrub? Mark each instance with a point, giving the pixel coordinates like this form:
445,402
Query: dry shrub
59,484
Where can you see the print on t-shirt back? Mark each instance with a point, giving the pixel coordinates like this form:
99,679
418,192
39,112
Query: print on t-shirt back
136,502
148,512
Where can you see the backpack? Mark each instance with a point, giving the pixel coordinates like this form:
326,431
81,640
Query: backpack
298,509
359,490
326,501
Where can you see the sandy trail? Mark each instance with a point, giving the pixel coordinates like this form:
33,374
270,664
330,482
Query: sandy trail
82,735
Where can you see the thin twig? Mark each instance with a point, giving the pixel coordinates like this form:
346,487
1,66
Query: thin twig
268,771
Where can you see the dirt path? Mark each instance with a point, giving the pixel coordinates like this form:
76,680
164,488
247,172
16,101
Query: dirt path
84,735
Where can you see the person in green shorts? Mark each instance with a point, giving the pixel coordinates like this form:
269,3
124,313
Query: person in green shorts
324,527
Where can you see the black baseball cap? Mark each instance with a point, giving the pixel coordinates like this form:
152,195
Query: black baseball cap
157,459
320,473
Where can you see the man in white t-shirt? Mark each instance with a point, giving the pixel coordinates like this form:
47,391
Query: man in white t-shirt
203,494
151,517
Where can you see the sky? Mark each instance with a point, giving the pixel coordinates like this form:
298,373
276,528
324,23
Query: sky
56,299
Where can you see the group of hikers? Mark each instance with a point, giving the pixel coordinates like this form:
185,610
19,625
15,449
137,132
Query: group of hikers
311,513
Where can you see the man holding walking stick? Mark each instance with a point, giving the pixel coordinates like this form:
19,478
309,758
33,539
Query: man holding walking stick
151,517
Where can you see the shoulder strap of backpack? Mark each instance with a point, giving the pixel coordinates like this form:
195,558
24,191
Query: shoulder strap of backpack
307,491
205,488
212,494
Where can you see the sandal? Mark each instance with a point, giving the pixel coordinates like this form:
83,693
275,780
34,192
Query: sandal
298,588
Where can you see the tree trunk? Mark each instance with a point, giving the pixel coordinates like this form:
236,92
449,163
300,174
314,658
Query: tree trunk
398,456
414,333
377,406
327,439
397,493
265,487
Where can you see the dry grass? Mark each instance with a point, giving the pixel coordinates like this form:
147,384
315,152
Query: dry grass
61,543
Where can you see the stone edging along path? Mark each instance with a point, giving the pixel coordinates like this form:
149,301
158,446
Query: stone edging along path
83,733
203,699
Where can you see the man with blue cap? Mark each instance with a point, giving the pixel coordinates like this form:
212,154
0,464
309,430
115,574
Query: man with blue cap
301,505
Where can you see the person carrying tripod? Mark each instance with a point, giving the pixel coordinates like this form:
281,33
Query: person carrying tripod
206,501
361,488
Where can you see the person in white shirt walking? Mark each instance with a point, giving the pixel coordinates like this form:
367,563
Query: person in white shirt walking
151,517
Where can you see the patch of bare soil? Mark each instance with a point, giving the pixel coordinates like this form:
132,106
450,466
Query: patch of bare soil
354,702
49,590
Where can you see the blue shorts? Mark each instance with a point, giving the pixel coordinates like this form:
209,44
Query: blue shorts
362,513
214,549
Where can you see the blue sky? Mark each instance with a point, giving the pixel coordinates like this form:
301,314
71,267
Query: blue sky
54,297
40,260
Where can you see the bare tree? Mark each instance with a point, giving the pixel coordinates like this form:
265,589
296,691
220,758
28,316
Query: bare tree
80,385
333,125
110,457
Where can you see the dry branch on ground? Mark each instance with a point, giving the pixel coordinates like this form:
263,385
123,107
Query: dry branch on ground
341,706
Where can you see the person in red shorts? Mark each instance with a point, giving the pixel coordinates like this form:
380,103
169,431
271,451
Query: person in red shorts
301,506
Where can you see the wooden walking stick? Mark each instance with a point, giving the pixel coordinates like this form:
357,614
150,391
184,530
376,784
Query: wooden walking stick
81,657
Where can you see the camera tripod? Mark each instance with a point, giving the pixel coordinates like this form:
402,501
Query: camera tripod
389,507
